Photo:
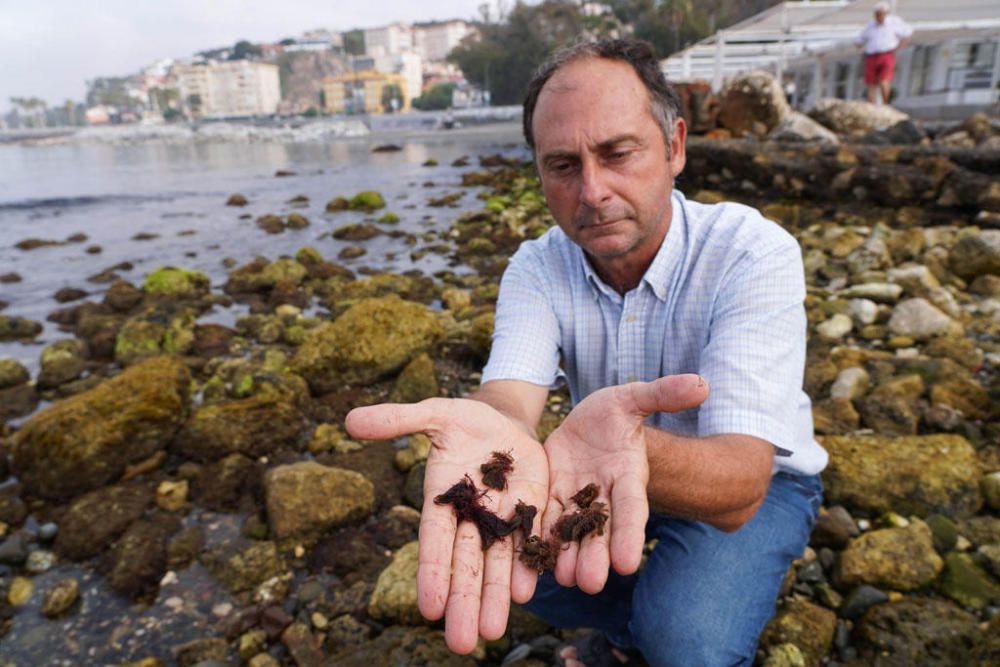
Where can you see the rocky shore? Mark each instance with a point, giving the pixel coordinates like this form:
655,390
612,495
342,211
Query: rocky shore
183,493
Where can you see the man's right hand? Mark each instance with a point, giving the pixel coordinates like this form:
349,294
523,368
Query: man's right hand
456,579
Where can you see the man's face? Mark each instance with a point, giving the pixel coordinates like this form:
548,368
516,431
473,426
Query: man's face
879,16
603,161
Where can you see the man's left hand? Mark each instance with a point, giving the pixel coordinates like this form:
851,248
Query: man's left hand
602,441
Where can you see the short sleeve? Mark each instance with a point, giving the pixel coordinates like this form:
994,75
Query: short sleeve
755,354
526,332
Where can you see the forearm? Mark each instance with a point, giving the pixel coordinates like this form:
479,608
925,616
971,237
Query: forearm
721,480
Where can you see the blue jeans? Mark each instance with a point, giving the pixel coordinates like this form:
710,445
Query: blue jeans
704,595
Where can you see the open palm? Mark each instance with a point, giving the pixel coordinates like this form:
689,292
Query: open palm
471,588
602,441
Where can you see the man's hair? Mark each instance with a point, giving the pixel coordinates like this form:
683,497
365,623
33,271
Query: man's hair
664,102
881,7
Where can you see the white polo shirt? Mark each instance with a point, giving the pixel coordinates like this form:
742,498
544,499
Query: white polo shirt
879,38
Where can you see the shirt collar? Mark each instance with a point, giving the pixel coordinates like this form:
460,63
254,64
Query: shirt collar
658,275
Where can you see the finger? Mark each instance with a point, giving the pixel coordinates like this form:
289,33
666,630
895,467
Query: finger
672,393
390,420
593,559
495,607
629,513
566,562
437,540
461,623
523,579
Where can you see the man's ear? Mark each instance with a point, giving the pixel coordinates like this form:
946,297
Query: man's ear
678,143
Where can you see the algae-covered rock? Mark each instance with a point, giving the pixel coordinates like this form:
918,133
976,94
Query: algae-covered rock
282,270
403,647
86,441
371,339
804,624
61,362
395,595
916,631
253,426
59,598
911,475
896,558
139,558
12,373
95,519
139,338
367,200
967,583
304,499
337,204
976,255
18,328
177,283
416,382
357,231
243,569
221,485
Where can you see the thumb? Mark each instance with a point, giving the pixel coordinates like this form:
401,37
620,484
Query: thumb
390,420
671,393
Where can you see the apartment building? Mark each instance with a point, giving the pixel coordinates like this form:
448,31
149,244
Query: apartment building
433,41
229,89
365,91
388,40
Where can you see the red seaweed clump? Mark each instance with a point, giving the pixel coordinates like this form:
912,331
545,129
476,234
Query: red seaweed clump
524,515
495,470
466,501
588,518
586,495
539,555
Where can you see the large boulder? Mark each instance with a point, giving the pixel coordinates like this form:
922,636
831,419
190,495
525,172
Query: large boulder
395,595
253,426
797,126
752,103
976,254
804,625
855,117
373,338
95,519
305,499
919,475
895,558
86,441
916,631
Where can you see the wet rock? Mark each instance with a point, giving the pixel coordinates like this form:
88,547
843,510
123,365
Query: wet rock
253,426
373,338
903,132
859,600
403,647
62,362
991,490
236,199
61,597
352,252
330,437
784,655
270,223
12,373
184,547
245,568
890,408
201,651
804,624
368,200
97,518
413,489
67,294
296,221
976,255
835,416
305,499
397,527
14,550
87,440
981,529
139,558
176,283
834,528
123,296
919,319
395,595
967,583
896,558
39,561
172,496
964,395
18,328
337,204
350,553
855,117
211,340
388,218
916,631
944,531
913,475
798,127
415,452
358,231
346,631
749,99
416,382
305,648
20,592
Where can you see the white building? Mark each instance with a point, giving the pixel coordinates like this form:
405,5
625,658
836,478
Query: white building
229,89
950,69
434,41
391,39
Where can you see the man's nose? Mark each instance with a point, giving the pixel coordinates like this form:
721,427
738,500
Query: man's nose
594,190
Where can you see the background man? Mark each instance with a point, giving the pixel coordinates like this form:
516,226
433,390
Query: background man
881,38
648,305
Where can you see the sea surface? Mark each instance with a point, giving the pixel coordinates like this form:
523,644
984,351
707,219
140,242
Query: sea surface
154,203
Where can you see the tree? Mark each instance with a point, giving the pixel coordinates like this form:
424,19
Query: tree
354,42
194,103
244,50
287,41
435,99
392,98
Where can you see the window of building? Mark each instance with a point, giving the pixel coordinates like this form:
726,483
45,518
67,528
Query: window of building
841,80
971,65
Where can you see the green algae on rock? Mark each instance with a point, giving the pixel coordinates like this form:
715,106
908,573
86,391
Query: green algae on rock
373,338
304,499
894,558
804,624
367,200
176,282
86,441
395,594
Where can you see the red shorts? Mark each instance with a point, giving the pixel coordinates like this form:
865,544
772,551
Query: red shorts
879,67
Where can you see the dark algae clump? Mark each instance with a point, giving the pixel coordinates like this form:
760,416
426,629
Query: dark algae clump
586,495
539,555
495,470
591,516
524,515
466,500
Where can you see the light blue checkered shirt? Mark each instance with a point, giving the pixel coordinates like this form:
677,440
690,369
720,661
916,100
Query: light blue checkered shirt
722,298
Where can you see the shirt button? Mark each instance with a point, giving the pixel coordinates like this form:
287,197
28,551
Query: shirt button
630,318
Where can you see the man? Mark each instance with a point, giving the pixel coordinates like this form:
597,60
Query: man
655,305
881,38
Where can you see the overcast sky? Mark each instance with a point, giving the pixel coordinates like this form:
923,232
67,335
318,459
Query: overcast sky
49,48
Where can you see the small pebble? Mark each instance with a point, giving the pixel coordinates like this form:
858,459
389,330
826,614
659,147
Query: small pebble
48,531
40,561
169,578
864,524
222,609
173,603
319,621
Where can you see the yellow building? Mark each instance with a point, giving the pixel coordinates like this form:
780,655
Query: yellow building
365,91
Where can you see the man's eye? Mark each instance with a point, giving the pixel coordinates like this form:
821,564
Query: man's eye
561,167
617,156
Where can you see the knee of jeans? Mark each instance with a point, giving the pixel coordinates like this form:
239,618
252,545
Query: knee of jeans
680,640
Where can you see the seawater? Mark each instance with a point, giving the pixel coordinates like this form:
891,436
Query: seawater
177,192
